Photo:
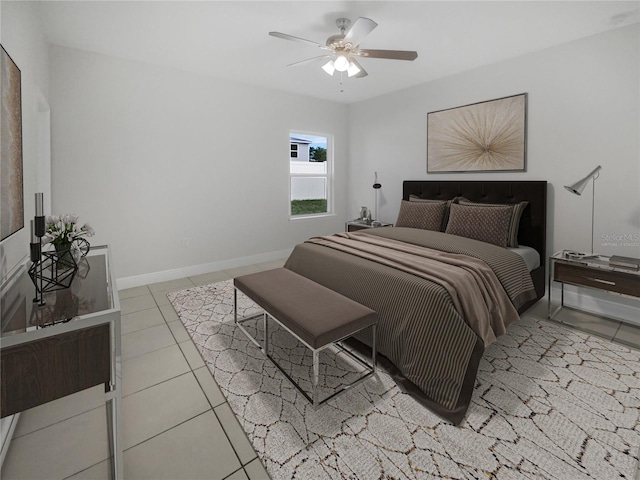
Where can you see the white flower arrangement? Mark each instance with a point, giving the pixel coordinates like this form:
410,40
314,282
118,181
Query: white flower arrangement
64,229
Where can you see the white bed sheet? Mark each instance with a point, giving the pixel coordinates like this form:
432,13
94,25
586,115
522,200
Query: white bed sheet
530,255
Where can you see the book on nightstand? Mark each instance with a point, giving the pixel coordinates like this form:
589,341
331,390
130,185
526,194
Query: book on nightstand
624,262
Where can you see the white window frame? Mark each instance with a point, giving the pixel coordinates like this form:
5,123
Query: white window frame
328,175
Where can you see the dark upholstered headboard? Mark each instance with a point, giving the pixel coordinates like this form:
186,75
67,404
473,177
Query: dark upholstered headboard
533,224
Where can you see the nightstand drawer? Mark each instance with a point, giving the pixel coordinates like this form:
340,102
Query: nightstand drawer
613,281
43,370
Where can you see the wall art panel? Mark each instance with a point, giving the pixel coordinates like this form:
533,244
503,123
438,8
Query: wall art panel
485,136
11,185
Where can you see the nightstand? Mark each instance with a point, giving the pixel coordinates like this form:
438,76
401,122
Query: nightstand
354,225
591,273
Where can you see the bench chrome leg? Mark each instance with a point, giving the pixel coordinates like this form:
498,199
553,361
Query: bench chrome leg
265,320
235,305
238,321
316,377
373,349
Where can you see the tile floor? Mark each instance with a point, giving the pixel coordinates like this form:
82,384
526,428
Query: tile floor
176,423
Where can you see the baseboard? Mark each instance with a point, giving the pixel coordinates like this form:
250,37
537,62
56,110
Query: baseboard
190,271
601,303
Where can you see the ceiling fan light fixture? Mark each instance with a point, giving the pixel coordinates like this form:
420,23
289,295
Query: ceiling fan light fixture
341,63
329,67
353,69
344,48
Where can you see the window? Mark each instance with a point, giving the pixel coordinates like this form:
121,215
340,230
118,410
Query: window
310,171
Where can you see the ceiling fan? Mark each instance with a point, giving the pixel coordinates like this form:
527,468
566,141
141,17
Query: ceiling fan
344,48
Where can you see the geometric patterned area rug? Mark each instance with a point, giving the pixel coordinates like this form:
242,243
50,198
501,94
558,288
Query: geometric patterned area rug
549,403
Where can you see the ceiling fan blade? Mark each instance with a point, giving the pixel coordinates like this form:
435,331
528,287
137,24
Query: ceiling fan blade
390,54
296,39
309,60
360,29
362,73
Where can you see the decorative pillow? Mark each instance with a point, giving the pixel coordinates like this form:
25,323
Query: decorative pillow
490,225
516,215
424,215
447,203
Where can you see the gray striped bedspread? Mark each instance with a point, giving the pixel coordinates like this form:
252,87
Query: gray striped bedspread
433,350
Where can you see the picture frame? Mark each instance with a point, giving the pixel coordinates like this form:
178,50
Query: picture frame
488,136
11,174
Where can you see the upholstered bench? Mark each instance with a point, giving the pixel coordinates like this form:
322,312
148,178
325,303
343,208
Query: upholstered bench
317,316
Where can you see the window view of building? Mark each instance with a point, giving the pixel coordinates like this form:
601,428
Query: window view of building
310,173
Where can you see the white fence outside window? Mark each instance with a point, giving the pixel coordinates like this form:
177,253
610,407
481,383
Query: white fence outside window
308,188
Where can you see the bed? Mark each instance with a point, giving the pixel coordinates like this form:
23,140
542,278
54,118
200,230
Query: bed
432,331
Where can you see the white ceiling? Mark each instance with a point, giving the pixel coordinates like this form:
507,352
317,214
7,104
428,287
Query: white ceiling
229,39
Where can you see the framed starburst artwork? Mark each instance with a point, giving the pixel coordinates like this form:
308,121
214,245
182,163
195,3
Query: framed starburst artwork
488,136
11,187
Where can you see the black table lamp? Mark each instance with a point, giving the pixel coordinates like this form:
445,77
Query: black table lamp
376,187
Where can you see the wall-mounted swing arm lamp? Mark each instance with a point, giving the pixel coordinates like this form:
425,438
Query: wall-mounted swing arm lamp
578,187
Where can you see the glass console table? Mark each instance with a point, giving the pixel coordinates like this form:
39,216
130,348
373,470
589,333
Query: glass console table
69,344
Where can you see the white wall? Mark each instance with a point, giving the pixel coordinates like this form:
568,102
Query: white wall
583,111
176,170
20,35
141,152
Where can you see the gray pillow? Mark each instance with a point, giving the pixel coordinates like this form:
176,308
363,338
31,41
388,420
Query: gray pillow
490,225
516,215
424,215
447,203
